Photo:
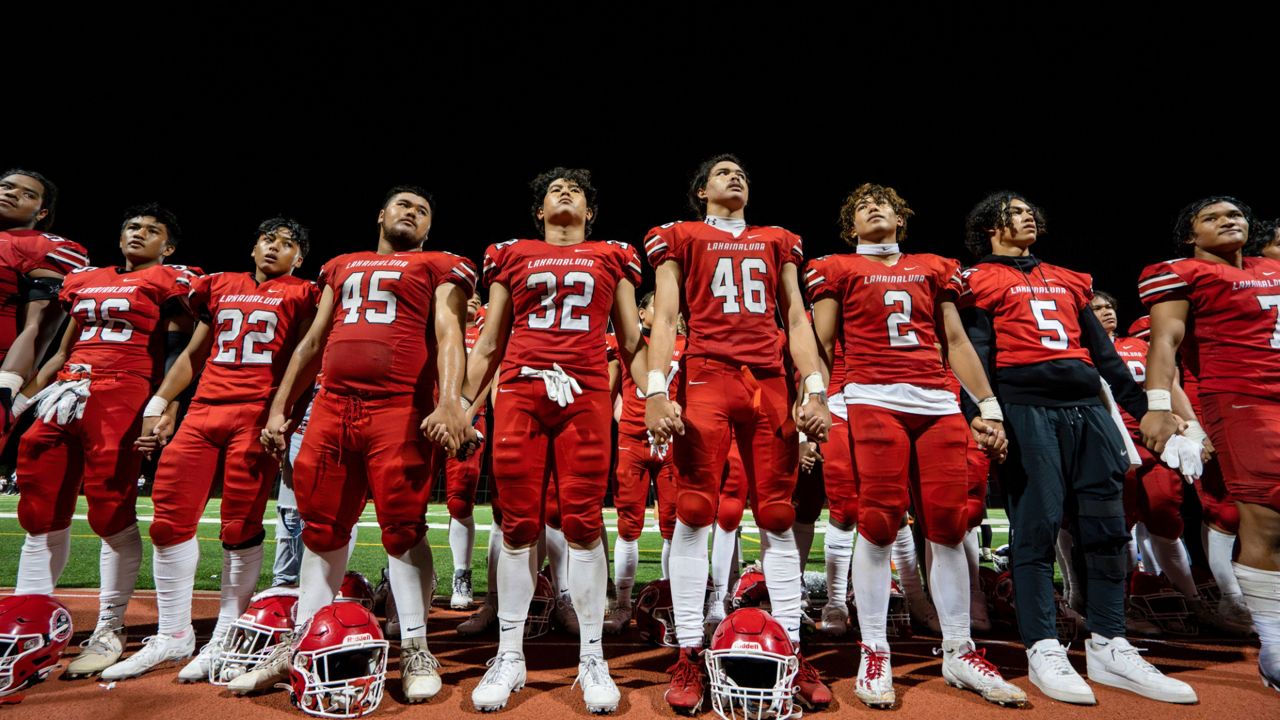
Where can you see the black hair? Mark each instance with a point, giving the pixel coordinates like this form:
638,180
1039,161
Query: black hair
1108,297
1261,234
414,189
645,299
992,213
1184,226
163,215
577,176
703,175
48,198
301,235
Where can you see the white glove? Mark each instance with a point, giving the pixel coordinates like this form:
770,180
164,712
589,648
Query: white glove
561,387
656,450
64,400
1183,454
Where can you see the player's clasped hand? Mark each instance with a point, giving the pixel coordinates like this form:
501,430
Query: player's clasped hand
1157,427
662,418
989,434
156,433
274,437
447,426
814,419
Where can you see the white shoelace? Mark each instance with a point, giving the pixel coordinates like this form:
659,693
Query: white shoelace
594,672
421,662
1056,659
502,670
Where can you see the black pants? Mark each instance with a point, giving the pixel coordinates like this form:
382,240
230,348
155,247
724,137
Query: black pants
1068,460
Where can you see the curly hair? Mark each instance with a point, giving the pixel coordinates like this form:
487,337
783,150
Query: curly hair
992,213
703,176
48,199
1261,234
578,176
1184,227
162,214
301,235
881,194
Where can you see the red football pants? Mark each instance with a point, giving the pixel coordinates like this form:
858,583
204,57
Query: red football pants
1218,508
979,471
533,439
1243,430
733,491
838,474
899,456
356,447
724,403
95,452
461,478
215,439
637,467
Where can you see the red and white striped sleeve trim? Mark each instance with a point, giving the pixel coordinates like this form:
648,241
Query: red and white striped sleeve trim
1160,284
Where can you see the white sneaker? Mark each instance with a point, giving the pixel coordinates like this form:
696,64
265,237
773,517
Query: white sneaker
273,669
617,619
598,690
1269,666
156,650
966,667
1116,663
979,620
565,616
419,671
874,686
198,669
102,650
504,676
480,620
1050,670
835,619
462,596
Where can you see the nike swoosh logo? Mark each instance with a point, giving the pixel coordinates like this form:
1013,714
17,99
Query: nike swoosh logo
913,267
505,628
503,390
414,629
1268,273
274,291
752,237
1240,407
582,249
696,382
593,641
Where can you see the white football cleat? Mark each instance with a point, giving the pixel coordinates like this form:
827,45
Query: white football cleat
1116,663
1050,670
198,669
419,671
874,685
598,690
967,668
102,650
273,669
156,651
462,595
505,675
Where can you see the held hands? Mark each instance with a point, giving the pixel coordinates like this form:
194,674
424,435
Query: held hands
662,418
447,426
156,433
1158,426
275,436
813,418
989,434
809,456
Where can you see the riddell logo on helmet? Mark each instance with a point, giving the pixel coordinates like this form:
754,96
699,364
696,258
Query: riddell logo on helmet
61,624
350,639
746,645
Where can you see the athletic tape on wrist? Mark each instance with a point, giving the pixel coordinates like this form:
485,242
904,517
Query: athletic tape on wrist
1159,401
813,384
989,409
657,383
155,406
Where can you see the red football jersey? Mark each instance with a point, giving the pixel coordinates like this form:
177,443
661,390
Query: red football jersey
631,423
21,252
1232,343
888,314
382,337
1037,314
561,301
1134,354
120,315
255,328
730,287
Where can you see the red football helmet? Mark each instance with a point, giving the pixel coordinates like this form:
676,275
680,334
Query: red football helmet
538,622
355,588
655,614
1154,599
998,587
752,667
34,630
253,635
751,590
339,663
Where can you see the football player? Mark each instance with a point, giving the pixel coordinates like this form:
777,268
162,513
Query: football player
247,325
908,435
90,401
732,280
1221,308
550,302
389,324
1046,353
462,476
33,263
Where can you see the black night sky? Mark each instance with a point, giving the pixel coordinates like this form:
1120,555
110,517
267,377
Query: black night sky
1110,117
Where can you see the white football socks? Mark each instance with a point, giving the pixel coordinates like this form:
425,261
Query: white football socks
319,579
412,576
689,581
516,571
626,558
174,568
723,544
462,541
905,559
558,559
871,578
837,545
804,541
118,564
1171,556
949,585
43,558
494,551
1261,590
1220,548
588,577
781,562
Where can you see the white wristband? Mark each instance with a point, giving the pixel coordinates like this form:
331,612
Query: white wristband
803,438
20,403
989,409
657,383
1159,401
1195,432
813,384
155,407
11,381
